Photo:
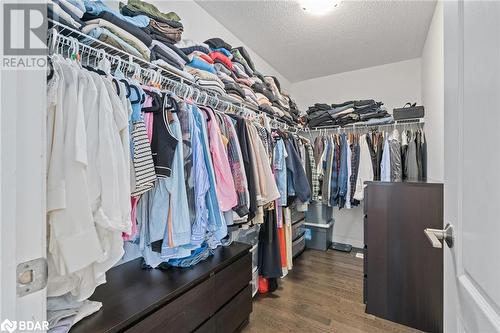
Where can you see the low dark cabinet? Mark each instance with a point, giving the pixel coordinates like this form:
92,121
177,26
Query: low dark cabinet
213,296
403,272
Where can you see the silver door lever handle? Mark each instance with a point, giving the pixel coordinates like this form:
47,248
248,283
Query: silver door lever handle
435,235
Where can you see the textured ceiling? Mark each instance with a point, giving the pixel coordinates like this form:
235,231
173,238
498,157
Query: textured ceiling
357,34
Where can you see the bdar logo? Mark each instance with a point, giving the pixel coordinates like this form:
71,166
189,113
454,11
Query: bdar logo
8,325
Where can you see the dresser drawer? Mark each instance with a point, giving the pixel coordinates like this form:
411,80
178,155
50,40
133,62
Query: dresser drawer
295,215
230,280
234,314
297,230
298,246
207,327
183,314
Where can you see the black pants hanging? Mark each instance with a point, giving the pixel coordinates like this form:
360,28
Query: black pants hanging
269,248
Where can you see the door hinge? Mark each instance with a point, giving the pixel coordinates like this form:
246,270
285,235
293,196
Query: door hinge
31,276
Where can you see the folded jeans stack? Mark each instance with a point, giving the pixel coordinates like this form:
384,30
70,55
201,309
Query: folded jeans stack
348,113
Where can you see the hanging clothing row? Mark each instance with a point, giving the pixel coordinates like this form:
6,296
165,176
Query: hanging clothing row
136,167
346,160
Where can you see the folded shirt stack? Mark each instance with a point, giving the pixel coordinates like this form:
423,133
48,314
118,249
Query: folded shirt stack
221,58
234,90
223,69
165,33
201,64
273,83
363,111
225,78
217,43
182,73
96,7
141,29
250,96
188,46
247,82
129,33
267,109
262,100
65,12
134,29
264,90
207,80
137,7
106,36
172,30
239,70
294,110
169,53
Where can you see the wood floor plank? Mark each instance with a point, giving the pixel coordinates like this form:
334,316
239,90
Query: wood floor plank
322,293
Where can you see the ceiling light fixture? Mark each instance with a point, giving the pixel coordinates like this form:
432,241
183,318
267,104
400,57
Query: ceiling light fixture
318,7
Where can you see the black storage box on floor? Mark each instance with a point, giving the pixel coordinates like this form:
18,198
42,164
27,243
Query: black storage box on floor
319,235
411,112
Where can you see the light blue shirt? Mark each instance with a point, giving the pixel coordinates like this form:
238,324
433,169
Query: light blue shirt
201,183
95,7
280,175
385,164
217,228
97,32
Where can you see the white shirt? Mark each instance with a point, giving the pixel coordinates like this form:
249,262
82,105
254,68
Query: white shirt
113,209
365,172
69,214
86,234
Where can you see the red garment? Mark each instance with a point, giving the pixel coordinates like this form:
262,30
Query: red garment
225,60
263,285
205,57
281,238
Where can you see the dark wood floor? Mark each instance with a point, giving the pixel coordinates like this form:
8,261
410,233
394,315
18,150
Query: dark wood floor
323,293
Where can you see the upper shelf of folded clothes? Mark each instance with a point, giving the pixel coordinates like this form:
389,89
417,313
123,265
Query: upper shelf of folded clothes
141,29
367,112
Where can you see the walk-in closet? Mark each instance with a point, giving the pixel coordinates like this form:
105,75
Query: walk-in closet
250,166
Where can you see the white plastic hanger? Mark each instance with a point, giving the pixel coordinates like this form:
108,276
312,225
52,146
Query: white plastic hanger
104,64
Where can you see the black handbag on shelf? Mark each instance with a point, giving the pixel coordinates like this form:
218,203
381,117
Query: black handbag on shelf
409,111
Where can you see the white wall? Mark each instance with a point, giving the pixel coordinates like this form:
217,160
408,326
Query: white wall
200,26
433,95
394,84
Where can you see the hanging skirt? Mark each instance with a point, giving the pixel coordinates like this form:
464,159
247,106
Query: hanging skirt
269,247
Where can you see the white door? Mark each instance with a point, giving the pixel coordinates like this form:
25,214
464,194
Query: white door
472,165
22,183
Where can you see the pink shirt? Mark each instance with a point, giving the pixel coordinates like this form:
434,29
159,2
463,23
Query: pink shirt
226,192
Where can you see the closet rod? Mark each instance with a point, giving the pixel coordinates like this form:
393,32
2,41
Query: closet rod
351,127
64,39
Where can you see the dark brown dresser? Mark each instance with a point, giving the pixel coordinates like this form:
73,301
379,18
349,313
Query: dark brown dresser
212,296
403,272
